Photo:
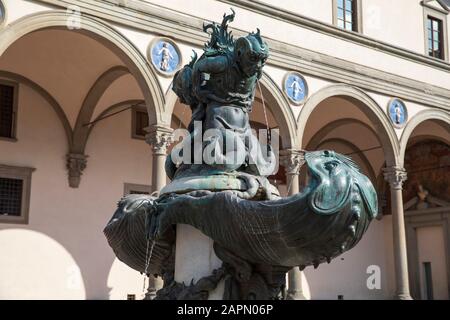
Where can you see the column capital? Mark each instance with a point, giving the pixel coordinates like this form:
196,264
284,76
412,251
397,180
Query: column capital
76,163
395,176
292,160
160,138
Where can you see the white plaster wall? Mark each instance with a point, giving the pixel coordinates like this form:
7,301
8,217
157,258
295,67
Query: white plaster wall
318,9
398,22
65,228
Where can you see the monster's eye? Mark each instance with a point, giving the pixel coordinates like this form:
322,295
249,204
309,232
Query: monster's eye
331,165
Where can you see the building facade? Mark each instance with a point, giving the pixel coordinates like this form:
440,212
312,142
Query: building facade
87,115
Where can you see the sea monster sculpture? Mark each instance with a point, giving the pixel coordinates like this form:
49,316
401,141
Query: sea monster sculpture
258,235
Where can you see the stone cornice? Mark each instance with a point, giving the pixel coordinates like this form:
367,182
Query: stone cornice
188,29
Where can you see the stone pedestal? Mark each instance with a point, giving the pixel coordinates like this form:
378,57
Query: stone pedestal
195,258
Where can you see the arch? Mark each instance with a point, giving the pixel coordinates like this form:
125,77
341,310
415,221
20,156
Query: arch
419,138
283,113
417,120
105,34
373,111
81,131
324,131
47,96
354,148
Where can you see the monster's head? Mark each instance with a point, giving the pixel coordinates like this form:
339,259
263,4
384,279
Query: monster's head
338,181
251,53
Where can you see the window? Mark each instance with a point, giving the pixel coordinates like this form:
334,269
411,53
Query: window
139,123
11,196
435,38
8,110
15,184
435,29
347,14
131,188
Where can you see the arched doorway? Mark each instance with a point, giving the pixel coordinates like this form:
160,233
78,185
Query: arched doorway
345,119
426,152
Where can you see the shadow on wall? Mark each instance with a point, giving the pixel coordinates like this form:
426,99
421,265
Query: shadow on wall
35,266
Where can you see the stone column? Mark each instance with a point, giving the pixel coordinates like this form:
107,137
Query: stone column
159,138
292,160
396,176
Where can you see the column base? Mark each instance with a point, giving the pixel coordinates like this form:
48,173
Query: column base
295,295
150,295
403,296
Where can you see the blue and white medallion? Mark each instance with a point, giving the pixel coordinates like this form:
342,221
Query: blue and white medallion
397,113
295,87
165,56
